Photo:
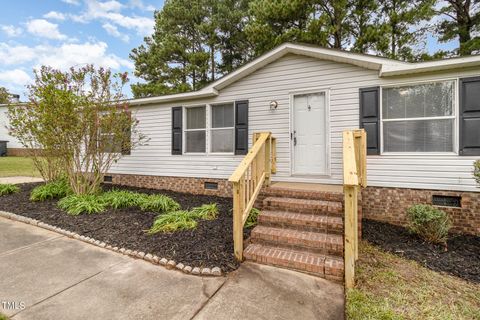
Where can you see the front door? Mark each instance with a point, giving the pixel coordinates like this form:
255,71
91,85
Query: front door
310,134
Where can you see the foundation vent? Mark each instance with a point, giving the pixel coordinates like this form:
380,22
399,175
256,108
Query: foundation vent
211,185
107,179
447,201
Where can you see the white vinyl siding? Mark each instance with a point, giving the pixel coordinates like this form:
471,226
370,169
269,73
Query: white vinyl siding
275,82
4,136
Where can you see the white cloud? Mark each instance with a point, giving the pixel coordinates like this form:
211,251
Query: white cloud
10,55
45,29
113,31
55,15
74,2
63,56
15,77
109,12
140,5
11,31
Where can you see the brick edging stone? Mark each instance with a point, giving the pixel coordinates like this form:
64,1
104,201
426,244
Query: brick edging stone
169,264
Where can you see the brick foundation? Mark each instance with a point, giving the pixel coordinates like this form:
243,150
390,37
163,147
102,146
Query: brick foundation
18,152
390,205
179,184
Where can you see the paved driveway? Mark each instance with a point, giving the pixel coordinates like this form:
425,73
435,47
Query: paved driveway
44,275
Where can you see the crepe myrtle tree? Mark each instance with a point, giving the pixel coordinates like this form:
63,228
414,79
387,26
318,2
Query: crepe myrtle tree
80,121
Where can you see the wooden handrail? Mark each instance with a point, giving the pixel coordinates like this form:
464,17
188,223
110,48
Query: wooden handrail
354,177
248,179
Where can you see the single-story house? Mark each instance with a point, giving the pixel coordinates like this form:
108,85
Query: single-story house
14,147
422,122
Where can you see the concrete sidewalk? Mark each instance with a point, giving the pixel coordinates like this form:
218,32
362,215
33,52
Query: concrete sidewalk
20,179
48,276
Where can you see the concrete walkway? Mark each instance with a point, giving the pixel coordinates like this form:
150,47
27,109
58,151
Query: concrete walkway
48,276
20,179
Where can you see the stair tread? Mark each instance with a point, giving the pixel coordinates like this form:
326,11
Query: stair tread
306,201
301,216
298,234
323,265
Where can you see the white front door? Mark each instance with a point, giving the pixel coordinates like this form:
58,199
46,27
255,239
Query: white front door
310,134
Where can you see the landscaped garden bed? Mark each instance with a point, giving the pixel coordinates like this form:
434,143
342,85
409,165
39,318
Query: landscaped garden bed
461,257
209,244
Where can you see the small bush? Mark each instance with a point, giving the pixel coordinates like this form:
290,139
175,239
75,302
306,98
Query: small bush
78,204
52,190
122,198
157,203
183,220
8,188
429,223
205,212
173,221
252,218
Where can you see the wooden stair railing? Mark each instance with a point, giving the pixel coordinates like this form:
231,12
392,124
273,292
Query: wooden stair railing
354,177
248,179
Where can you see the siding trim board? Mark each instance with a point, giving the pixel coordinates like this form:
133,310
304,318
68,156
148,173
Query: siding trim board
156,159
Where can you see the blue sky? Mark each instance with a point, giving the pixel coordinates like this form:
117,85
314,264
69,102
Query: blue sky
65,33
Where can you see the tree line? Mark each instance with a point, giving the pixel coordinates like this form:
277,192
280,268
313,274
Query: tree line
197,41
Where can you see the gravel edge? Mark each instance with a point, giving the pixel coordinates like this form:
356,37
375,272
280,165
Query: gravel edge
153,259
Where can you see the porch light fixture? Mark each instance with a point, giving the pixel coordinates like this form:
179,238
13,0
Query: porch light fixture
273,105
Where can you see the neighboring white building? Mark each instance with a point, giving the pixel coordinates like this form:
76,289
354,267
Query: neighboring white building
12,142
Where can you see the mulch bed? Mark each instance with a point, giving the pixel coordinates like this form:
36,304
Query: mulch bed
209,245
461,259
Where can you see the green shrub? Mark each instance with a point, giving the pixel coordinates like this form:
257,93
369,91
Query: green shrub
86,203
205,212
121,198
476,171
157,203
429,223
8,188
173,221
252,218
52,190
183,220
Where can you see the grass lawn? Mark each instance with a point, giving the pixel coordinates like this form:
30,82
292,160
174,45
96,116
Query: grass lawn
2,317
391,287
17,166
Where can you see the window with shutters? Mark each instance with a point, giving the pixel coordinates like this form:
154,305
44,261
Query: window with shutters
419,118
209,129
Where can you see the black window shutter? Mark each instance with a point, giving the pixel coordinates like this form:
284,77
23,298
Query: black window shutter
177,130
241,127
370,117
469,116
127,143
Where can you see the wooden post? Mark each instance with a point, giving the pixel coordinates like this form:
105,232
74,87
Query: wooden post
238,200
350,196
274,155
268,161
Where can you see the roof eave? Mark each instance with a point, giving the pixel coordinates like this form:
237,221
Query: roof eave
204,93
442,65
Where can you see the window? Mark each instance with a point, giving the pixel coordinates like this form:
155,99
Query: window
195,129
222,129
419,118
213,124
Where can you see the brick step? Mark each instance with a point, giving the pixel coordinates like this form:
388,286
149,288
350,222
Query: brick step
302,194
300,221
320,265
315,242
322,207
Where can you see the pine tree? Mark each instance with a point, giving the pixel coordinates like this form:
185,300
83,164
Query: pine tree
463,23
402,26
194,43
